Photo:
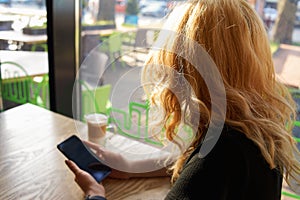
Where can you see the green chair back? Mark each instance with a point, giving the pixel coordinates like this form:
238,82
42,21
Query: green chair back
134,123
136,129
113,46
128,38
289,194
94,100
15,82
37,47
18,87
40,91
296,96
115,42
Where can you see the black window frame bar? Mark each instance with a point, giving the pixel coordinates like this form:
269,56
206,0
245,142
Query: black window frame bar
64,35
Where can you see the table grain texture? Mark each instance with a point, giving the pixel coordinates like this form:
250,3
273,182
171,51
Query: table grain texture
31,167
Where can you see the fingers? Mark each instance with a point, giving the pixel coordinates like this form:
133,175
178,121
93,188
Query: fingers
73,167
92,145
98,167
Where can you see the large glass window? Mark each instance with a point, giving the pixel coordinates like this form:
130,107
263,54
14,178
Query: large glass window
23,53
115,43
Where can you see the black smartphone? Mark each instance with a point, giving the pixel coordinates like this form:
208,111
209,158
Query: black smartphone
74,149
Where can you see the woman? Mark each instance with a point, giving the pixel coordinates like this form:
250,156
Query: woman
255,148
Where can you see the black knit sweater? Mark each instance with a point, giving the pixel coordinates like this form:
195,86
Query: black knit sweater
233,170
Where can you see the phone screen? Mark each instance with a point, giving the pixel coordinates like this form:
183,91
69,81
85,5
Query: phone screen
74,149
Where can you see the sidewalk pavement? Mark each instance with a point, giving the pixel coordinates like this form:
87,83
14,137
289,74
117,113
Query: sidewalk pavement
287,64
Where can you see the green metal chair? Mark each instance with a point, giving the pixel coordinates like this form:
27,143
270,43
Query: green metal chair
296,96
40,91
15,83
138,128
124,120
18,87
128,40
94,100
113,46
39,47
289,194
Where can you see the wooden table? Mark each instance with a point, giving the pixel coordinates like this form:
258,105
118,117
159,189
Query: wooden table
22,40
20,37
35,63
32,168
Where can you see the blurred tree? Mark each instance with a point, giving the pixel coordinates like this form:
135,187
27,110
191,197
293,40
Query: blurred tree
132,7
284,24
106,10
131,12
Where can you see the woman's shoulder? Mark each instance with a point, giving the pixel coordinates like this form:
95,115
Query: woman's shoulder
234,138
232,145
233,169
235,141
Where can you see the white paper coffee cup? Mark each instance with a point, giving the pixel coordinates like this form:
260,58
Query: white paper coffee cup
96,124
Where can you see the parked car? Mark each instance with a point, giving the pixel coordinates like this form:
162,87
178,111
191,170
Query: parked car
145,3
6,2
158,9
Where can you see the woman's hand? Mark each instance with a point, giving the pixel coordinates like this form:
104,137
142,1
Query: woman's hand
111,158
85,181
117,162
105,155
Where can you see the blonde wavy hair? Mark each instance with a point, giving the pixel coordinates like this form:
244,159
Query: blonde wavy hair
257,104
